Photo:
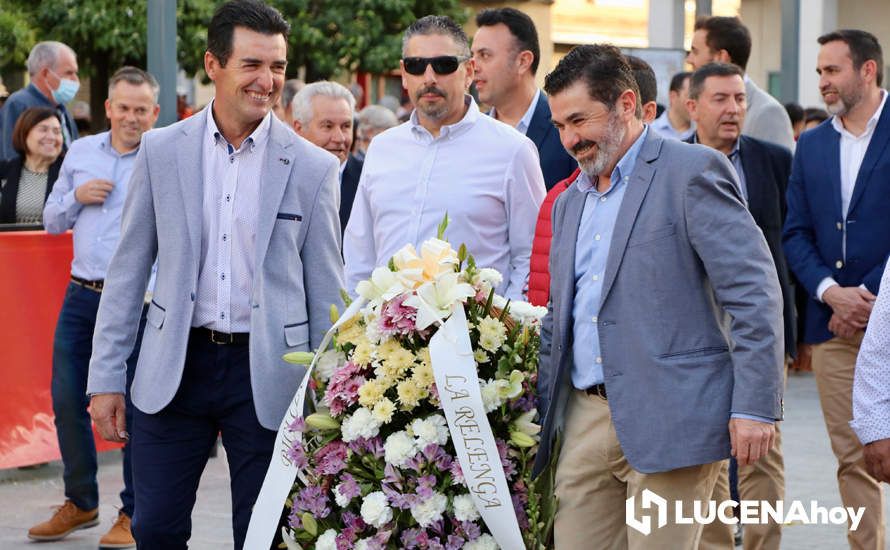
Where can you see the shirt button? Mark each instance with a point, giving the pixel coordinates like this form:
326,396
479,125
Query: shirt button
222,276
222,315
224,237
594,318
596,277
602,199
596,237
840,226
838,264
599,360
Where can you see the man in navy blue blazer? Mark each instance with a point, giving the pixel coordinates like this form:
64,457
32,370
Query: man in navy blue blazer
506,54
718,104
837,239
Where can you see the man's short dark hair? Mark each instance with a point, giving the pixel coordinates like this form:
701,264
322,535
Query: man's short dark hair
602,67
863,47
136,77
677,81
645,77
697,80
254,15
795,112
437,24
727,33
815,114
521,27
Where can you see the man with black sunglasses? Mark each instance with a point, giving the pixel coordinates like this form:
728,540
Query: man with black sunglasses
447,158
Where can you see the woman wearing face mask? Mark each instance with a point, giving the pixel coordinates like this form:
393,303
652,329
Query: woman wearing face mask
25,181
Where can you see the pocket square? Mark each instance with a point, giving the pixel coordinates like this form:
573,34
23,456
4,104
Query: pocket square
287,216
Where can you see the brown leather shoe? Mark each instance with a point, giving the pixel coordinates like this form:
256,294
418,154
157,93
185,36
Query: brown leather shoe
67,518
119,536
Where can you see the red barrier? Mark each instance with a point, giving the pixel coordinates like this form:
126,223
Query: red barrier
34,271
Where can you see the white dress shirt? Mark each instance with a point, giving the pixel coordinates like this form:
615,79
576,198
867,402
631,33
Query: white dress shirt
853,150
483,173
871,385
228,230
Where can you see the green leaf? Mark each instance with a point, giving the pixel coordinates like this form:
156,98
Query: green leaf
440,233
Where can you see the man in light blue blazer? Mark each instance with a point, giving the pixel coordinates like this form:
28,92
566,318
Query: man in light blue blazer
643,378
241,215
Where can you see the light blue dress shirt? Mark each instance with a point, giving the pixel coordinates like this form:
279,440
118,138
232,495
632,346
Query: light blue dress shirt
96,227
591,253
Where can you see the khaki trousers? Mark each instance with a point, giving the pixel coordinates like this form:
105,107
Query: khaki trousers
593,481
834,362
763,480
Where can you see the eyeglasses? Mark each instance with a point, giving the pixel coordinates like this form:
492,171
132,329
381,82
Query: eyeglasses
443,64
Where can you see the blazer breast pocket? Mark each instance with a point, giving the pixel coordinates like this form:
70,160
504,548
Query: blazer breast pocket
637,238
297,334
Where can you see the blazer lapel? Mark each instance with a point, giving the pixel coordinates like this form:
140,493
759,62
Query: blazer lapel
189,152
833,170
275,175
637,187
755,178
875,151
571,220
540,122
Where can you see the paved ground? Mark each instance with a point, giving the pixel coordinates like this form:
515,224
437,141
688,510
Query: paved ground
27,497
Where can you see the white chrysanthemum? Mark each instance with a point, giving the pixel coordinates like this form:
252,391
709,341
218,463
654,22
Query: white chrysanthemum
327,541
484,542
399,448
433,429
341,500
372,329
429,510
375,509
526,313
328,363
492,394
361,544
465,509
488,277
492,334
361,424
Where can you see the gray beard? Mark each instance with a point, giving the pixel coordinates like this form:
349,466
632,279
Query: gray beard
606,149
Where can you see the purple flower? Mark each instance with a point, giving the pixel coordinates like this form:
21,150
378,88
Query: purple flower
298,425
312,499
471,530
349,487
396,317
331,459
425,486
454,542
342,390
519,502
397,499
457,473
411,538
297,455
506,462
294,520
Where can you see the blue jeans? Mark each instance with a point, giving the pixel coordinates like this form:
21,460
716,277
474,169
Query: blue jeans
72,347
171,447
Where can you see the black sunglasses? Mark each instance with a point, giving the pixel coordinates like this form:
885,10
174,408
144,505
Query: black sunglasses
443,64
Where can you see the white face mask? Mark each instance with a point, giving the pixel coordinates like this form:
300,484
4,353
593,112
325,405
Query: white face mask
66,91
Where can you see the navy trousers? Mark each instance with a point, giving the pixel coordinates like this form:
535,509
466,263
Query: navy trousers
72,347
171,447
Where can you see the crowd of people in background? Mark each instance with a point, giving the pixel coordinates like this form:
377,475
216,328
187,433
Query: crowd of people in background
727,237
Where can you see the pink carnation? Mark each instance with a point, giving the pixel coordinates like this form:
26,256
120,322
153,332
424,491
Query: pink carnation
396,317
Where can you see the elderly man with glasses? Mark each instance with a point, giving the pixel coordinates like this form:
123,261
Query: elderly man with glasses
451,159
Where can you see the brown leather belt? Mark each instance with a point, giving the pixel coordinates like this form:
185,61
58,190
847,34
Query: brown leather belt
221,338
598,390
95,286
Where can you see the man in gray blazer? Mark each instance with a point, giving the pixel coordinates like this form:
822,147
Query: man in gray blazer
241,215
727,40
652,249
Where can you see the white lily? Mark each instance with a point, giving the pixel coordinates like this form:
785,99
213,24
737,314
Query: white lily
383,285
525,423
436,300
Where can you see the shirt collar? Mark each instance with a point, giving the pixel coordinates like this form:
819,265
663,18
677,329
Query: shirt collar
869,126
105,145
257,138
526,121
462,125
735,146
624,167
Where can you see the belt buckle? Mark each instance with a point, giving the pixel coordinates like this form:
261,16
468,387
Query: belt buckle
220,337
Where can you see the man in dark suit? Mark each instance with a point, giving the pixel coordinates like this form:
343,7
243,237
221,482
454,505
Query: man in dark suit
506,54
717,104
324,113
837,238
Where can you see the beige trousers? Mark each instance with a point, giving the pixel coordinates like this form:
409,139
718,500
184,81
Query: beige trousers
763,480
593,481
834,362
